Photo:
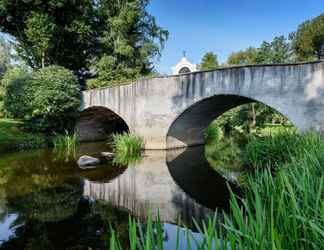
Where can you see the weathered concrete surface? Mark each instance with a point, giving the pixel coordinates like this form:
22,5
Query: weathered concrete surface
173,111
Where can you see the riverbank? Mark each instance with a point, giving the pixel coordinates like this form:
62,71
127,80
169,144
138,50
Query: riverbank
13,137
282,206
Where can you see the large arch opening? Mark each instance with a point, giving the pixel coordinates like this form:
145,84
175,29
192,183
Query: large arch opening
98,123
225,124
189,128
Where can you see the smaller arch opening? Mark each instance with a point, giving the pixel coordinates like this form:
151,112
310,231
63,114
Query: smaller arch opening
98,123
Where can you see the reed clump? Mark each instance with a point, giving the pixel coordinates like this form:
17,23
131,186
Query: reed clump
127,147
65,146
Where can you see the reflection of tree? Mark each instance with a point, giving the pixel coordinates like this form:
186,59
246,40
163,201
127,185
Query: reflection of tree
46,197
108,216
3,205
49,205
225,155
59,219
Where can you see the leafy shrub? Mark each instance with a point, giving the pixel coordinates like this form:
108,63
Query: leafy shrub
47,99
55,99
15,87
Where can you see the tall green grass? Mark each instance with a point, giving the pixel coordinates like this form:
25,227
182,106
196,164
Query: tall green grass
65,146
279,148
128,148
281,210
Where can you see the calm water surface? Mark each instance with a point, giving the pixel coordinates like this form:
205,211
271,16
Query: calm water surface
49,203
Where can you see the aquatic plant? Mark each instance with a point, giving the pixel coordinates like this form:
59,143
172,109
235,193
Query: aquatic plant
278,211
128,148
65,146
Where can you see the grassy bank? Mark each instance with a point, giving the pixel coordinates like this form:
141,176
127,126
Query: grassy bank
282,208
14,137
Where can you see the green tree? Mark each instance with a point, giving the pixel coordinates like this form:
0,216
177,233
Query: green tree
40,29
308,40
54,97
248,56
15,84
52,32
281,50
119,39
277,51
5,57
209,61
131,41
5,62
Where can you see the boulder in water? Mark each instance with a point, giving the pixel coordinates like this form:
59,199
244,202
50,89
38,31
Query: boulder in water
88,161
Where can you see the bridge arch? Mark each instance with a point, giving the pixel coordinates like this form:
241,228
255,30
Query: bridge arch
188,127
97,123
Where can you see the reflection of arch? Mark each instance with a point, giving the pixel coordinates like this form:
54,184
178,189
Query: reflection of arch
184,70
97,123
189,126
191,171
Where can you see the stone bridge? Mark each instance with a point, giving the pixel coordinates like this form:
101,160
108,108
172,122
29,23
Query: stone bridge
173,111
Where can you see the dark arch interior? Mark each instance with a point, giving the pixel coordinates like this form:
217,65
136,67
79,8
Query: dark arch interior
191,171
184,70
98,123
189,127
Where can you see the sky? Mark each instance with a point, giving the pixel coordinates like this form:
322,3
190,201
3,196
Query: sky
225,26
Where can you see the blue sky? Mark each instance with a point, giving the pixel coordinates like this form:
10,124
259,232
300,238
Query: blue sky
224,26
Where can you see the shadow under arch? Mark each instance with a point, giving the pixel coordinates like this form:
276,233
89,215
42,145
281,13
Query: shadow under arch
192,173
188,128
97,123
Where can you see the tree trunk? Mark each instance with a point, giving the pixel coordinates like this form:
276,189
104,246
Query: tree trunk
43,59
253,115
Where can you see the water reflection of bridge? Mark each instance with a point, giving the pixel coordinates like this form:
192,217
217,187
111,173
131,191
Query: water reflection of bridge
150,186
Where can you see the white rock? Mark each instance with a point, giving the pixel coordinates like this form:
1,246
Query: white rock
88,161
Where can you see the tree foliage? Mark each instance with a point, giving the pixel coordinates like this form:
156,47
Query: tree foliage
131,39
119,39
209,61
52,31
15,84
308,40
55,99
48,99
5,57
277,51
248,56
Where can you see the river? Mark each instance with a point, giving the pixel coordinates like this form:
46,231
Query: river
47,202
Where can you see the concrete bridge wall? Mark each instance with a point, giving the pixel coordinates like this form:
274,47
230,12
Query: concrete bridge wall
173,111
